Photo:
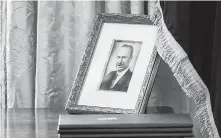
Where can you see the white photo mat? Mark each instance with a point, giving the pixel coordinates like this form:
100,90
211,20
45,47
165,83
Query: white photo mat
109,32
93,97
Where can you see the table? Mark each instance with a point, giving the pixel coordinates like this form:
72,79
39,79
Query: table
29,123
38,123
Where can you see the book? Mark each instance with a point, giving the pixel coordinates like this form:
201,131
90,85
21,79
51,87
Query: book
160,135
129,121
124,130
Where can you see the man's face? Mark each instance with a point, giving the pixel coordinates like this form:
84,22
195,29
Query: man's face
123,59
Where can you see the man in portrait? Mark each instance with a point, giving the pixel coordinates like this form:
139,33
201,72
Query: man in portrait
119,79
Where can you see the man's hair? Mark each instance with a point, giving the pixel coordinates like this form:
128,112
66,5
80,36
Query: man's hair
130,47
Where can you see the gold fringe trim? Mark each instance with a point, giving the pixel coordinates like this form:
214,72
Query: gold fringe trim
189,80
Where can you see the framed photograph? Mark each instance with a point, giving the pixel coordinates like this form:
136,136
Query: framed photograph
118,68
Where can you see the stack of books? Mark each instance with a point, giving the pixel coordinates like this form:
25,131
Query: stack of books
125,126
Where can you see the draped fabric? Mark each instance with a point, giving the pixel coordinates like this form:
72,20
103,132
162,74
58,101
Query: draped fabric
46,41
3,22
42,43
197,27
215,79
21,54
185,74
62,35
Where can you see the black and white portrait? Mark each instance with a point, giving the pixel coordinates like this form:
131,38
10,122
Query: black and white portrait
120,65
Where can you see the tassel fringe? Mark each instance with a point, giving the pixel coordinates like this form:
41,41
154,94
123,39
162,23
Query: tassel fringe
191,83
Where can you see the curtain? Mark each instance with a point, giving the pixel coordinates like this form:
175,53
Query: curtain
2,53
215,78
42,43
45,44
197,27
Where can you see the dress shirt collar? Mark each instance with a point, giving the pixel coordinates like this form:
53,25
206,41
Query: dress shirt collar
120,74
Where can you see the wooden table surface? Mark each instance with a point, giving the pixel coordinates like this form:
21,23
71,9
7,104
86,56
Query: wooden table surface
32,123
29,123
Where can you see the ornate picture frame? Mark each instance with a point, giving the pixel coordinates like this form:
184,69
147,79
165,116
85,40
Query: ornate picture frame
118,68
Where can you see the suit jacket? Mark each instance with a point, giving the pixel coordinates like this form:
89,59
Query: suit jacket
121,85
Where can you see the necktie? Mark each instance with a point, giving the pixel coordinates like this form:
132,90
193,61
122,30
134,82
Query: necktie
114,79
